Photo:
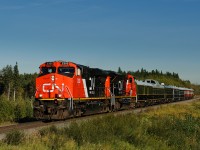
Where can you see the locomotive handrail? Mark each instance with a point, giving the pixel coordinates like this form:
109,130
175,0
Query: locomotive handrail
112,100
111,94
71,101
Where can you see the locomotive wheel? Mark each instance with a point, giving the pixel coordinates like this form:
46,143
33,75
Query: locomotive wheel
37,114
60,114
106,106
132,105
66,114
107,109
78,112
117,106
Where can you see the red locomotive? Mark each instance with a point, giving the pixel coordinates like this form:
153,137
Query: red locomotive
65,89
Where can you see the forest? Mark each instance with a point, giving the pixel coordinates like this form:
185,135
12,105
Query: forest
167,78
15,85
16,94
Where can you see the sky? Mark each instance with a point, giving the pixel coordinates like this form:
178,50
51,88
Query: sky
106,34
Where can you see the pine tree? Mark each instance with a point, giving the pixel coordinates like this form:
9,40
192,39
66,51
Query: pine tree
8,80
119,70
16,82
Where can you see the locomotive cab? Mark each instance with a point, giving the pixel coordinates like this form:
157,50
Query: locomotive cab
55,86
56,80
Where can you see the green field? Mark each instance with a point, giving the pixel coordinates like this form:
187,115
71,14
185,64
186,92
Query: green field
171,127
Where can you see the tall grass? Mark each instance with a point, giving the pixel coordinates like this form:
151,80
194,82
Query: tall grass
173,127
14,137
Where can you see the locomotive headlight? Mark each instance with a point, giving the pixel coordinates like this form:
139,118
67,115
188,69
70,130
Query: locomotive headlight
40,95
59,95
52,78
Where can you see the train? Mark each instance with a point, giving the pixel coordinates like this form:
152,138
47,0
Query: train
66,89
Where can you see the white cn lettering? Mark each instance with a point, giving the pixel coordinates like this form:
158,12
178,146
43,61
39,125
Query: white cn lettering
53,86
48,84
57,87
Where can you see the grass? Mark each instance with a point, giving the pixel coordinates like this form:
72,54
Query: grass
173,127
14,137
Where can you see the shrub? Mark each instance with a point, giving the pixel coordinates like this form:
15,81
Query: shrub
49,130
14,137
6,109
23,109
15,110
29,109
20,110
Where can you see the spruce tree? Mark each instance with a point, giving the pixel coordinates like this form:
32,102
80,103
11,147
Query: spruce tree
8,80
16,82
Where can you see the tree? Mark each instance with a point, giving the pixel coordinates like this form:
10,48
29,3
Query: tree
28,81
119,70
16,82
8,80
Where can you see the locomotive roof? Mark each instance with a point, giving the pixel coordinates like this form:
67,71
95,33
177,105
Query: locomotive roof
147,82
98,71
178,88
154,83
139,82
87,71
93,70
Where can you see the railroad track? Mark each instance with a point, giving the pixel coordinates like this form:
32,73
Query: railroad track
30,127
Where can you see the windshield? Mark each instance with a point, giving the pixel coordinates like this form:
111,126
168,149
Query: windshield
47,70
67,71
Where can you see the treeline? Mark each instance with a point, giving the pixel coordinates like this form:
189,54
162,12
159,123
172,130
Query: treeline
167,78
15,85
143,73
16,94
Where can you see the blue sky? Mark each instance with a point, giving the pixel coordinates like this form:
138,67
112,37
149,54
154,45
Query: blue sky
131,34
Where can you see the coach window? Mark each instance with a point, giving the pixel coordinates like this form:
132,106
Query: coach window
67,71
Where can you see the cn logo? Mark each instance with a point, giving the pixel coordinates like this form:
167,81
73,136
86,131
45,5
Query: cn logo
48,87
